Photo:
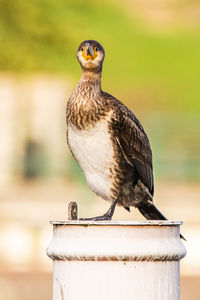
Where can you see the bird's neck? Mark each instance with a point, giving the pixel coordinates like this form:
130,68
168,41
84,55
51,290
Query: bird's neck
83,107
92,78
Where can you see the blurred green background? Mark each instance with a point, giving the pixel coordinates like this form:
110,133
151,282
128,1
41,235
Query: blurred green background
152,64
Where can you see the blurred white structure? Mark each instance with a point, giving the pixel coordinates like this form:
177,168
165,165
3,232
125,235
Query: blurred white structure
32,109
7,107
116,260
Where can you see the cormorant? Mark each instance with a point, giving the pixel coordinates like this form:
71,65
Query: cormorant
108,141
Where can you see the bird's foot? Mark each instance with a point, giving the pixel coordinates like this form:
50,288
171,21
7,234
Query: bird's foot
98,218
106,217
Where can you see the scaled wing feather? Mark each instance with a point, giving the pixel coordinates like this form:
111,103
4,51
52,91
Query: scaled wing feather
135,146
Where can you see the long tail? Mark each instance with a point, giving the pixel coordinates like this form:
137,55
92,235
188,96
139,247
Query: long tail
150,212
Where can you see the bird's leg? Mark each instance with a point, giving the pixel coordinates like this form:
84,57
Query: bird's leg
106,217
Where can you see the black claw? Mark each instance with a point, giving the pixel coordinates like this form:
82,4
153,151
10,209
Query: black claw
127,208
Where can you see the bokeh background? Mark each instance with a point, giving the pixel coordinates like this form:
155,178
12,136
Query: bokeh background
152,64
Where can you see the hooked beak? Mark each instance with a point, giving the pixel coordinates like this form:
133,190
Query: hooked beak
89,51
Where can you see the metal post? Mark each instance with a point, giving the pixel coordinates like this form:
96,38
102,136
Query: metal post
116,260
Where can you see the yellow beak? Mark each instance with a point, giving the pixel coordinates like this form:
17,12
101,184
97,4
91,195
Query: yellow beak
89,53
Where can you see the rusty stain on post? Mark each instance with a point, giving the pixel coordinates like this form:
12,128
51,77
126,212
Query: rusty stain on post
72,211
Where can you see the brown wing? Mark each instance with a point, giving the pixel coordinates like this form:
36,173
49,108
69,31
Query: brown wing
135,145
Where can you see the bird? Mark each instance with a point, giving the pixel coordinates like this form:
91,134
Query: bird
108,141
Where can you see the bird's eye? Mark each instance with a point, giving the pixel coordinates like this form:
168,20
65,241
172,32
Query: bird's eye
81,48
96,49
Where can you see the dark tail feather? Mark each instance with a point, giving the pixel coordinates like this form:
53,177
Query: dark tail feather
150,212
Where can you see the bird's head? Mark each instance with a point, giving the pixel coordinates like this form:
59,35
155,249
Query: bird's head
90,55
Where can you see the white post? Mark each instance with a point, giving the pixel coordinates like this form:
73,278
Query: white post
116,260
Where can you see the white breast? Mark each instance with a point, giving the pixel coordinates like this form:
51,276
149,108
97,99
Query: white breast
94,151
